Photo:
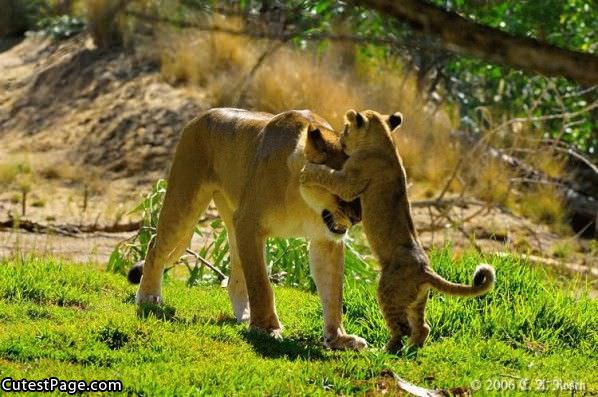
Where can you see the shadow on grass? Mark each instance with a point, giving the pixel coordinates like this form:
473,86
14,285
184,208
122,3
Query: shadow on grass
161,312
168,313
289,348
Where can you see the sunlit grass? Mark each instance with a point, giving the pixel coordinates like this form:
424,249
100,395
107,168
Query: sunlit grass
73,321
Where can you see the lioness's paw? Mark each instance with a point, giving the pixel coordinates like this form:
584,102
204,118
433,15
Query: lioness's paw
346,342
273,333
141,298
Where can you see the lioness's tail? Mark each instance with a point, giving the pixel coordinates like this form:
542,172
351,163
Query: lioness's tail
135,273
483,280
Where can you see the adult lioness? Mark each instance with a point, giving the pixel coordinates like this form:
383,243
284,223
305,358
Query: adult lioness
249,164
374,173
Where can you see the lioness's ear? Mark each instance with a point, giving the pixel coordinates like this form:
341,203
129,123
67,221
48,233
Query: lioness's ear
315,149
352,117
315,136
395,120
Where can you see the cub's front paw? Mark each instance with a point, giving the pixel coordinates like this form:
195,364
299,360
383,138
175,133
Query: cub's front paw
346,342
308,172
303,177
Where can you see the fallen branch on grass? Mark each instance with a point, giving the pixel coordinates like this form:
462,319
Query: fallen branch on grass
221,276
418,391
73,230
67,229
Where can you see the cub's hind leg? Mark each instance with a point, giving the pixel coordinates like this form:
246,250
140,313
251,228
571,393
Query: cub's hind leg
399,326
417,319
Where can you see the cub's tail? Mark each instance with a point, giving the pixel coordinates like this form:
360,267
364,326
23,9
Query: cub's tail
483,280
135,273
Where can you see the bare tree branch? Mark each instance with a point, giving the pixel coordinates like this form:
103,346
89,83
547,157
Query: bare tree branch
284,36
464,36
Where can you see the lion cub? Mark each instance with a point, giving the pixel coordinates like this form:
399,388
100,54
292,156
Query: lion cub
374,173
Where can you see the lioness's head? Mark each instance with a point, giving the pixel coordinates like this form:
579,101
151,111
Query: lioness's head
368,129
323,147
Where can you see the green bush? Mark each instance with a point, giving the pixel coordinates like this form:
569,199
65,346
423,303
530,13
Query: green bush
61,27
287,258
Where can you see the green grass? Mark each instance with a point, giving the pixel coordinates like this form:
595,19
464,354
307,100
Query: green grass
78,322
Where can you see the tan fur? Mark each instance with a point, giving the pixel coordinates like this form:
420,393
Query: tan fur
249,164
375,174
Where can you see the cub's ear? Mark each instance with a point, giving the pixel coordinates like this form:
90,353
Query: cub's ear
315,147
395,120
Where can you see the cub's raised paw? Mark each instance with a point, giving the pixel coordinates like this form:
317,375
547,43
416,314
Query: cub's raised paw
346,342
303,177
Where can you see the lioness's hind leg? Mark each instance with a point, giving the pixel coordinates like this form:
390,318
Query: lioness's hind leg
237,288
185,199
250,245
175,229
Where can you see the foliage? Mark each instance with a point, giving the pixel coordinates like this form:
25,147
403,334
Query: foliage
60,27
19,16
75,322
287,258
39,17
477,87
134,249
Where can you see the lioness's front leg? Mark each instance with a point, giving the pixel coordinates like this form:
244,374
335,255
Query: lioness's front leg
336,182
326,261
250,245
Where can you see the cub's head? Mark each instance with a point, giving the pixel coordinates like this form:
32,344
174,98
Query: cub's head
368,129
323,146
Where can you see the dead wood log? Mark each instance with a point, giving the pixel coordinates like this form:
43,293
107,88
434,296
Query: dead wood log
67,229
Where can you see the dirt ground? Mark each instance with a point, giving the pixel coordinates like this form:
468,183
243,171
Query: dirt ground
106,123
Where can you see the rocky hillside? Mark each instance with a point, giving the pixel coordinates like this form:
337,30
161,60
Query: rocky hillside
104,108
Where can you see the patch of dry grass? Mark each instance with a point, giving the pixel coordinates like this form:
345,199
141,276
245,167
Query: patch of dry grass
216,61
335,79
11,169
292,79
491,181
543,203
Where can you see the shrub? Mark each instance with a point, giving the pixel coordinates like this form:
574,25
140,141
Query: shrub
18,16
287,258
544,203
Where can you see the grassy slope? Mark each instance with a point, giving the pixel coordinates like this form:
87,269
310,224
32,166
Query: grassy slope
77,322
